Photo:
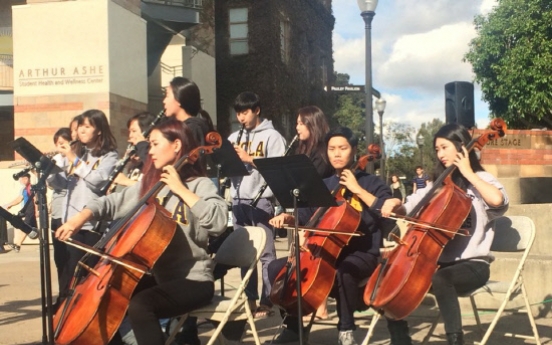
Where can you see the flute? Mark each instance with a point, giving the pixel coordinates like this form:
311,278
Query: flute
27,163
265,185
130,151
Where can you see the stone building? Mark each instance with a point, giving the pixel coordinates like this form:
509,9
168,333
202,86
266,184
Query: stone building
281,50
59,58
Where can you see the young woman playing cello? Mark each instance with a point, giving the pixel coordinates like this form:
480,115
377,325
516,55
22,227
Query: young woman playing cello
464,262
183,273
360,257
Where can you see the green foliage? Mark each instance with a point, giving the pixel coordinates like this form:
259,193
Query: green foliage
350,110
512,60
403,150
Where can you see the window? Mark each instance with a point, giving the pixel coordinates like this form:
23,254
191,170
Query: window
284,40
238,31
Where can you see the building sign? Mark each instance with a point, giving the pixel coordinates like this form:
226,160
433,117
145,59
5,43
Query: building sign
348,88
510,142
60,76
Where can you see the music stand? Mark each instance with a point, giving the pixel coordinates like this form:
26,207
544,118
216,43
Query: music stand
228,162
228,165
44,167
295,183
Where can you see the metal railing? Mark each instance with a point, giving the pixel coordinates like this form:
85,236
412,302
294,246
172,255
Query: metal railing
197,4
171,70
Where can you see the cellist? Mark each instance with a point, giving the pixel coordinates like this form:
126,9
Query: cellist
464,262
184,272
359,258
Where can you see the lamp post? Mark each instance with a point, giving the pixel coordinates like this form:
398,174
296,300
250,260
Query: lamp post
380,107
420,142
367,8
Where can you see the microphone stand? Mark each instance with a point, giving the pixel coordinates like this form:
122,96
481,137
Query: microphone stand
44,166
45,268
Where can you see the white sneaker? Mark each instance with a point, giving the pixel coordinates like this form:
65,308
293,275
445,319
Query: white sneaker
346,338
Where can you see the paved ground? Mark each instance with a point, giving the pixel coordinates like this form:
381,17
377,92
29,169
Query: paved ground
20,311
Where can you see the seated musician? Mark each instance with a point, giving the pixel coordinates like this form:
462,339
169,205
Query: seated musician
184,272
464,262
359,258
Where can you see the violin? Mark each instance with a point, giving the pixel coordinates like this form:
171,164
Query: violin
320,251
97,304
403,278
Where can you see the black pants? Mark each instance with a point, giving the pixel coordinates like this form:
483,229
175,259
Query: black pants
67,257
165,300
60,252
350,271
453,279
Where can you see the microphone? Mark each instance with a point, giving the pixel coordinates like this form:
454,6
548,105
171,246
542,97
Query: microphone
23,172
19,223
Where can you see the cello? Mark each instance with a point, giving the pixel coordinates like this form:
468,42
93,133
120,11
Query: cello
96,306
319,252
403,278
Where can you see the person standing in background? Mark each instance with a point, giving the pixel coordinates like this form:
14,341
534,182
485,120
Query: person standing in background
420,180
28,211
397,187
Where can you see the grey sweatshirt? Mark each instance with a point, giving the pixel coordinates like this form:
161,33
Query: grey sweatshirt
478,245
83,182
262,141
186,255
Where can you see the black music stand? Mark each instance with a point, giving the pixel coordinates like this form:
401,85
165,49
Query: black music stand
295,183
228,162
44,167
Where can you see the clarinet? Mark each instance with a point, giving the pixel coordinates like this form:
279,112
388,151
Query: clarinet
265,185
130,151
226,182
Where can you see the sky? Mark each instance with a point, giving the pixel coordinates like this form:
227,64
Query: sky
417,47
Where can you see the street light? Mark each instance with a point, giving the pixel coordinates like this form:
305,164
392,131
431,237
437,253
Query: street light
420,142
380,107
367,8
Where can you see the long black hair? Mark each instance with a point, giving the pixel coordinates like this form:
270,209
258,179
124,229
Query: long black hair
314,119
458,135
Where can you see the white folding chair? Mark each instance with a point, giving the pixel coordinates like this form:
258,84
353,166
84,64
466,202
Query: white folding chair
513,234
242,248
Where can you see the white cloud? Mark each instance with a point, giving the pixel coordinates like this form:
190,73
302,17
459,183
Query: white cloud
426,61
487,6
417,47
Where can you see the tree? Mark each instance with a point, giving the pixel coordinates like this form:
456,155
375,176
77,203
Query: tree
403,150
351,110
400,149
512,60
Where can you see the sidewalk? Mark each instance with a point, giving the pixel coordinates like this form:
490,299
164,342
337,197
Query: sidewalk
21,323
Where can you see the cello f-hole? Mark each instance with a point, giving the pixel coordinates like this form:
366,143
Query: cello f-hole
409,252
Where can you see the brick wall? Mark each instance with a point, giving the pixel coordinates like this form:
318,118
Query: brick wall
520,153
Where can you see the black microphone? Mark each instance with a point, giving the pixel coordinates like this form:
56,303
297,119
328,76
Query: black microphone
19,223
23,172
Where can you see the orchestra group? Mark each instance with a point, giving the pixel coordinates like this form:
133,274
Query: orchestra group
90,195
